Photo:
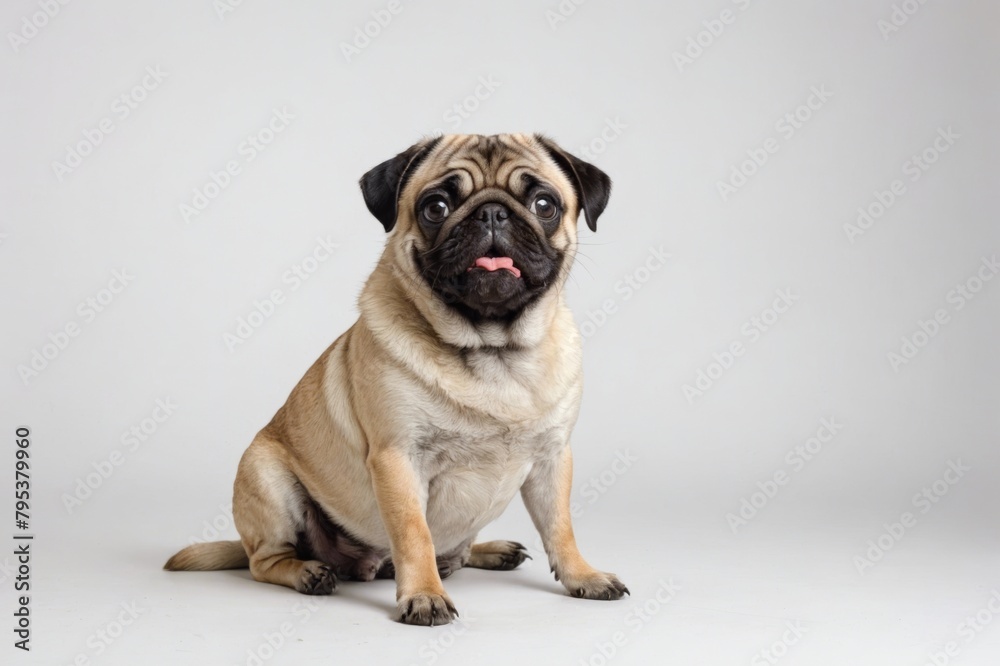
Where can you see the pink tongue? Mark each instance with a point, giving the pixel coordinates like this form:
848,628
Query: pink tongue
496,263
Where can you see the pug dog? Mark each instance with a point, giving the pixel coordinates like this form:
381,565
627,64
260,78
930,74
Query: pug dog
457,387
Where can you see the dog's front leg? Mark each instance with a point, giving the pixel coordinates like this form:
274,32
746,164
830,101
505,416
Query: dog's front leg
420,596
546,494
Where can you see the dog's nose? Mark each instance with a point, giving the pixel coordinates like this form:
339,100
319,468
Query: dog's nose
492,214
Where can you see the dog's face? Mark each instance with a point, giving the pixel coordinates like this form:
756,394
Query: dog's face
488,222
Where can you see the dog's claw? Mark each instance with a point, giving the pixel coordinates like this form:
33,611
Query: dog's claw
427,609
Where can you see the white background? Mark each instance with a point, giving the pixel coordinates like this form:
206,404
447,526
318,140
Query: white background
603,78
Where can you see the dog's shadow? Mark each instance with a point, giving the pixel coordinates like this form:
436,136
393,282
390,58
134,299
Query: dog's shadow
516,578
375,594
351,590
534,584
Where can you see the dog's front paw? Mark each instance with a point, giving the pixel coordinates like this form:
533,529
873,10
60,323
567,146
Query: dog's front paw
595,585
426,608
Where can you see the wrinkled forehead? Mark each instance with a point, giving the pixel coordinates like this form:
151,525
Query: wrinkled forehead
469,163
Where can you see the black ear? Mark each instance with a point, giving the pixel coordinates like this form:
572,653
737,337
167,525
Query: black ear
382,185
593,186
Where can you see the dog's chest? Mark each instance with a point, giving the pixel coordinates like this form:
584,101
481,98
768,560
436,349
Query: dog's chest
472,477
441,450
474,451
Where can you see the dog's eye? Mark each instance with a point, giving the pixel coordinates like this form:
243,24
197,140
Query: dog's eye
544,207
436,210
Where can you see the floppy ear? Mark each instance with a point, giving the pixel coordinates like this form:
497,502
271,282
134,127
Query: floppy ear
382,185
593,186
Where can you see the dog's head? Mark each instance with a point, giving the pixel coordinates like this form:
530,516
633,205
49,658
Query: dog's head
487,222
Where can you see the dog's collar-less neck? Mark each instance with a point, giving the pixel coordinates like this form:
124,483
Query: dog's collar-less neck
526,331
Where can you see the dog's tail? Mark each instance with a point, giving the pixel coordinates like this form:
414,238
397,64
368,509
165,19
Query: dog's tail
209,557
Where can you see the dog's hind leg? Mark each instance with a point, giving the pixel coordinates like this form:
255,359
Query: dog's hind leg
497,555
268,508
